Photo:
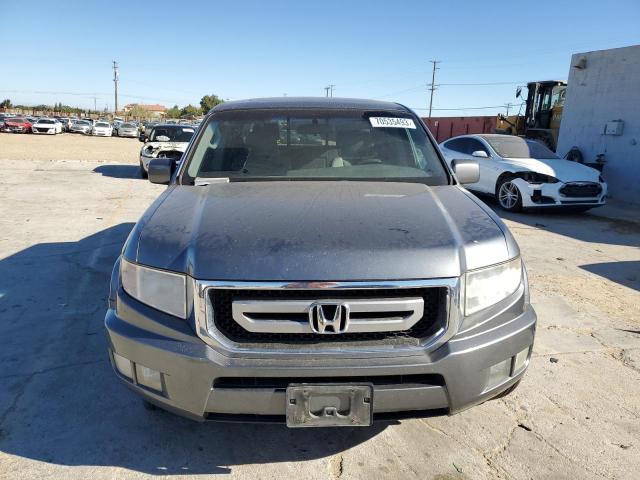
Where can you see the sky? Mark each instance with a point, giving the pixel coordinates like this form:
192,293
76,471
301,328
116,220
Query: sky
173,52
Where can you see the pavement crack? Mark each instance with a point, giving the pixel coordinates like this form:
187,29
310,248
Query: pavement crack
497,471
336,466
622,356
30,375
14,404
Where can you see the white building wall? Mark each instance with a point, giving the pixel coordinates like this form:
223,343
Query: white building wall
607,89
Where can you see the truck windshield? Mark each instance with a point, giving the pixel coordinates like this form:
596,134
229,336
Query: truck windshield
308,144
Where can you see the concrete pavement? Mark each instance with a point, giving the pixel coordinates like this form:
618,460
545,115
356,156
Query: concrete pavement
64,415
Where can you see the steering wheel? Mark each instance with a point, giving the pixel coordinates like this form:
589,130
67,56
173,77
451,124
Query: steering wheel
370,161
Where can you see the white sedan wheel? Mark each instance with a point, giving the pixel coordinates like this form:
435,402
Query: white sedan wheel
509,196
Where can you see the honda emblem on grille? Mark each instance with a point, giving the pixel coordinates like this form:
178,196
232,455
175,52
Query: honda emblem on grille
329,318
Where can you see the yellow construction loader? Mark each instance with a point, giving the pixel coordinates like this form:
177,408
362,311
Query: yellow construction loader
543,113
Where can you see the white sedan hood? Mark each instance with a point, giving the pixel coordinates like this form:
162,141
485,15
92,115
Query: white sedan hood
563,170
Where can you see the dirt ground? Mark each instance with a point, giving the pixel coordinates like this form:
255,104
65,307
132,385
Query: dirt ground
67,204
69,146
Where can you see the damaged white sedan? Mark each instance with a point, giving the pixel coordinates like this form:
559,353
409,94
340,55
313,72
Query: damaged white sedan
525,174
164,141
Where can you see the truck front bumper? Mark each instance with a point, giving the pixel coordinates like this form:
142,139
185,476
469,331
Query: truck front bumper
197,381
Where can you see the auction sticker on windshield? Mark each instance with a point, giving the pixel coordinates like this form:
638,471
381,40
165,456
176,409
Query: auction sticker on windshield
392,122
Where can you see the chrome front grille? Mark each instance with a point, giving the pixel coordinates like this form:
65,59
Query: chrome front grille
216,326
383,316
356,315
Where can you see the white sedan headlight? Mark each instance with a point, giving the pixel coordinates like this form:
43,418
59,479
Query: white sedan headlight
487,286
166,291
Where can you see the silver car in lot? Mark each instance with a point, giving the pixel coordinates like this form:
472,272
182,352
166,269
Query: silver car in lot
80,126
317,262
127,130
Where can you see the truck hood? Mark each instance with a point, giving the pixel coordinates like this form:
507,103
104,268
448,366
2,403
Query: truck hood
319,231
563,170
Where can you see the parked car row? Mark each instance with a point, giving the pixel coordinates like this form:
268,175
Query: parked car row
102,127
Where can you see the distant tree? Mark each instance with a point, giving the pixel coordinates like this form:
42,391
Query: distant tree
6,103
190,110
139,112
208,102
173,112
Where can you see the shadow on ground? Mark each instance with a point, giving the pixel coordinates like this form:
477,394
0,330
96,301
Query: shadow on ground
119,171
60,402
624,273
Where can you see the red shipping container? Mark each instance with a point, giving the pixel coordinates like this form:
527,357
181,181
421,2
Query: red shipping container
443,128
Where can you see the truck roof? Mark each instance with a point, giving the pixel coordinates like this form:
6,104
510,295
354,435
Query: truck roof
309,102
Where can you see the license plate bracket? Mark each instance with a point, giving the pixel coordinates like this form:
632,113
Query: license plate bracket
329,405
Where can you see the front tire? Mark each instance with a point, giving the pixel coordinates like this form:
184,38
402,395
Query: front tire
508,195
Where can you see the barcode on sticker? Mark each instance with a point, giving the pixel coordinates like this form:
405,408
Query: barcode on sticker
392,122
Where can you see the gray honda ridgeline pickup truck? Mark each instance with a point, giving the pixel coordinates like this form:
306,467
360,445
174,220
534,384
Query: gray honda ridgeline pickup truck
316,262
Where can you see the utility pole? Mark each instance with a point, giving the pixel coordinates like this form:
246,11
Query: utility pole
326,91
115,83
331,90
508,105
95,108
433,83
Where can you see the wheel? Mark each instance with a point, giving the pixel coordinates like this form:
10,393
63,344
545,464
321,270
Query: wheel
508,195
143,172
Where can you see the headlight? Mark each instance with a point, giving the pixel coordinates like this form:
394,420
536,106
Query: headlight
165,291
535,177
487,286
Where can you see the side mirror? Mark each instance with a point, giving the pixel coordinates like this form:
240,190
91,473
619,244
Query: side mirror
480,154
160,170
467,171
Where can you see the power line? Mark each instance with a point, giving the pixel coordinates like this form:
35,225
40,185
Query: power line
412,89
421,86
465,108
80,94
479,84
433,83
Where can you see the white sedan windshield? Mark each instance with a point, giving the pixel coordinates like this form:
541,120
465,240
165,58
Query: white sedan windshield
516,147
